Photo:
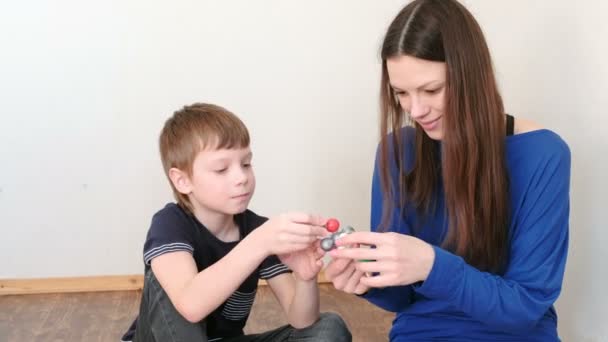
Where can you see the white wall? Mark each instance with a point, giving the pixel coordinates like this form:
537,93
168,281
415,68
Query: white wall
85,88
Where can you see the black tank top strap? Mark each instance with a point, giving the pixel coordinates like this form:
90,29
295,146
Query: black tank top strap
510,125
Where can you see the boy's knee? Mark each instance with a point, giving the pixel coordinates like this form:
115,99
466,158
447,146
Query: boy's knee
331,318
332,328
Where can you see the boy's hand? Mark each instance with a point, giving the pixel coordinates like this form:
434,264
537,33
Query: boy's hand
291,232
305,264
344,275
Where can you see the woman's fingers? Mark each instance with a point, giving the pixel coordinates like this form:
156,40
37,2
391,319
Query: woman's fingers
372,266
377,281
356,253
365,238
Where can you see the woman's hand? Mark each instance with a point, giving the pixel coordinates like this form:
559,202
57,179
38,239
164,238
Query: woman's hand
397,259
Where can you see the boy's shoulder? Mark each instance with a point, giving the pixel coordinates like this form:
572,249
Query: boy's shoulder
171,230
172,222
170,209
171,214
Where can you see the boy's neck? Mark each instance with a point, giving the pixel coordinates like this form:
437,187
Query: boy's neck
219,224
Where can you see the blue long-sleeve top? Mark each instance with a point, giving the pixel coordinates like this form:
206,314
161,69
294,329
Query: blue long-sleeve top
457,302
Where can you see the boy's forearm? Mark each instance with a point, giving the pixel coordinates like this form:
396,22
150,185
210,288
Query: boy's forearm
304,308
212,286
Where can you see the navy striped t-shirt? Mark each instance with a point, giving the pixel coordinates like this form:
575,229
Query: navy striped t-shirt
174,229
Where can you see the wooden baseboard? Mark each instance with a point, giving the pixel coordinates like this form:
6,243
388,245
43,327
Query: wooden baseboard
71,284
81,284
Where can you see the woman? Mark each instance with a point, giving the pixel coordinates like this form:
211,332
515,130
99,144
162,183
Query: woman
470,207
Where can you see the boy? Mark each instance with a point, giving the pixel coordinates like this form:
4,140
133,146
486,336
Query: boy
204,255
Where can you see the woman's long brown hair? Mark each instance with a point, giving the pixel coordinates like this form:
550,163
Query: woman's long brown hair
471,161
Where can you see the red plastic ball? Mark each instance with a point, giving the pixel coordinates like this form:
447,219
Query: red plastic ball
332,225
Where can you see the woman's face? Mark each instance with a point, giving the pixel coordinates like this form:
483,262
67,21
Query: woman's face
420,87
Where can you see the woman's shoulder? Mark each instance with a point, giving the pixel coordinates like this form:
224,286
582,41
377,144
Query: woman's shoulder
531,137
523,125
533,147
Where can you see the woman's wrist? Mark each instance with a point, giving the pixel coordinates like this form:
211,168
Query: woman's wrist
428,260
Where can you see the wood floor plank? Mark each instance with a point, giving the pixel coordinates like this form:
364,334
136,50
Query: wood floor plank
104,316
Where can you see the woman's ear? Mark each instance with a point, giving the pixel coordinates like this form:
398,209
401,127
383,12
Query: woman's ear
180,180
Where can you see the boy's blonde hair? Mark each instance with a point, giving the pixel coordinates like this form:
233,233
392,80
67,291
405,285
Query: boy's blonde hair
195,128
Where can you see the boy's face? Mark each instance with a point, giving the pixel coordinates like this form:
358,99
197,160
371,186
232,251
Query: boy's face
222,180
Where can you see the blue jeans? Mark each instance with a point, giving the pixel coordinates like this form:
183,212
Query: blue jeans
165,324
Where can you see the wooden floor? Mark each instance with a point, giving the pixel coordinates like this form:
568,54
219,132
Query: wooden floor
104,316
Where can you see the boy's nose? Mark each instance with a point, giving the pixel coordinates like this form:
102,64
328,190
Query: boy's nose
241,177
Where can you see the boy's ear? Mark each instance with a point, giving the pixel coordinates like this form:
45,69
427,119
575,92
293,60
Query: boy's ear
180,180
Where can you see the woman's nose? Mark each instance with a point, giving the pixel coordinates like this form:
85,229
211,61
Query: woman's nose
417,108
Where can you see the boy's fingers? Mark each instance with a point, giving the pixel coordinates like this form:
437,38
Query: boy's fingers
303,239
336,267
305,218
353,282
308,230
361,288
319,253
296,247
